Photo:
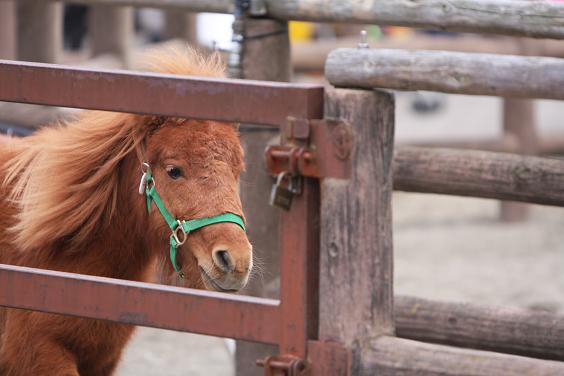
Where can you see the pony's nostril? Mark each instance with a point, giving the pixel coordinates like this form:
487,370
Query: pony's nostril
224,261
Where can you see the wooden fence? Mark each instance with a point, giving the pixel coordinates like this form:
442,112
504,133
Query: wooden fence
466,173
341,293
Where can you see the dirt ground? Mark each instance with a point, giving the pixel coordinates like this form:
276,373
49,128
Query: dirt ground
446,248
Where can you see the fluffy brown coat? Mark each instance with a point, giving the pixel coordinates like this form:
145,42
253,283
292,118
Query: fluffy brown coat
69,203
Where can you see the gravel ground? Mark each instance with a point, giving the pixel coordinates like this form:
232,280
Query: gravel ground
446,248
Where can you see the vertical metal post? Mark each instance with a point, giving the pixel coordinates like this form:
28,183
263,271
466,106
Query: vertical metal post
264,56
299,271
39,30
111,31
7,30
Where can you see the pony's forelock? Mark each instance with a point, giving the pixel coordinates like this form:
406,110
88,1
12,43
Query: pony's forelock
64,179
184,61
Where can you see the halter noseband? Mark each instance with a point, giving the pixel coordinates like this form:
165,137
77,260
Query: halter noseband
180,228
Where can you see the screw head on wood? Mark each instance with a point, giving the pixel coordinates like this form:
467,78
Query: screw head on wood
363,40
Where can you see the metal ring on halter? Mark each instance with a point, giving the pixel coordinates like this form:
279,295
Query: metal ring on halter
145,167
175,234
151,183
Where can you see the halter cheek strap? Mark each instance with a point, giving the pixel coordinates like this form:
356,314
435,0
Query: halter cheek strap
180,229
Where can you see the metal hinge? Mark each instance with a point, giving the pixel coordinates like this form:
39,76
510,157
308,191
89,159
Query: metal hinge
284,365
312,148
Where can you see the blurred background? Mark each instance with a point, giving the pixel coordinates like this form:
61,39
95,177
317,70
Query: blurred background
446,248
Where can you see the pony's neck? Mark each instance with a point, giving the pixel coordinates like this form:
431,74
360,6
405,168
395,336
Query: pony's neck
126,243
120,248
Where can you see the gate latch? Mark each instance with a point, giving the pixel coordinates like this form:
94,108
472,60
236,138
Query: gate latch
284,365
312,148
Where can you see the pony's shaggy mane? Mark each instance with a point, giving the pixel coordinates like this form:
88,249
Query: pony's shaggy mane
64,179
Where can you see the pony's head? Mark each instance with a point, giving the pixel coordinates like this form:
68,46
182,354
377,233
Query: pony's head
78,181
195,167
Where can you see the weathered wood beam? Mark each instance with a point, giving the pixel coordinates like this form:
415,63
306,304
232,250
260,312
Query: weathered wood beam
7,29
183,25
311,55
396,356
479,174
112,31
449,72
552,144
39,31
540,19
508,330
356,273
519,122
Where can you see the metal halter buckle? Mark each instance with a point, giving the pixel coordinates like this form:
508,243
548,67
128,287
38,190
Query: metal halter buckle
176,231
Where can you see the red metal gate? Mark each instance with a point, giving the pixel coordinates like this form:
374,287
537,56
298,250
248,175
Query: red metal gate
291,322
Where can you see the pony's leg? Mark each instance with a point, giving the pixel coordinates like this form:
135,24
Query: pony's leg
107,369
36,356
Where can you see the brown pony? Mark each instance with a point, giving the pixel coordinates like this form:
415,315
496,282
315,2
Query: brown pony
70,202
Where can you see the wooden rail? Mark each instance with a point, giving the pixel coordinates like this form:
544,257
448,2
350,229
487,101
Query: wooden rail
311,55
479,174
540,19
398,356
449,72
506,330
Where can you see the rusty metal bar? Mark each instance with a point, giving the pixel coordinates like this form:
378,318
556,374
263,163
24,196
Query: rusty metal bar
138,303
299,271
246,101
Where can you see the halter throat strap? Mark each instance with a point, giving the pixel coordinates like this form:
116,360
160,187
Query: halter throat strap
181,228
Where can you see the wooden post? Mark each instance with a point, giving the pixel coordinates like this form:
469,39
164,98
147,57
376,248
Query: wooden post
356,273
7,30
39,30
180,24
265,58
112,31
519,124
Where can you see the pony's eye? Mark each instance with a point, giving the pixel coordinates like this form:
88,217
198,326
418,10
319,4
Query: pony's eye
174,172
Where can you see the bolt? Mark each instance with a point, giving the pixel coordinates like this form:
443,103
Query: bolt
363,40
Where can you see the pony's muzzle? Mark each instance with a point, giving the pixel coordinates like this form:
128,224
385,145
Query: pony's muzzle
231,269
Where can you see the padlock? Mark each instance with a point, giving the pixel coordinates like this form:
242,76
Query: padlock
281,196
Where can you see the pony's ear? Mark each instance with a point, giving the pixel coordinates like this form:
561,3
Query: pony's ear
155,122
236,126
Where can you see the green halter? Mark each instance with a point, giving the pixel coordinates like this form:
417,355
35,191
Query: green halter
180,229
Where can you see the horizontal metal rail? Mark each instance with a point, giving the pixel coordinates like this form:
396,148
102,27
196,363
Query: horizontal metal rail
137,303
479,174
257,102
449,72
540,19
508,330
